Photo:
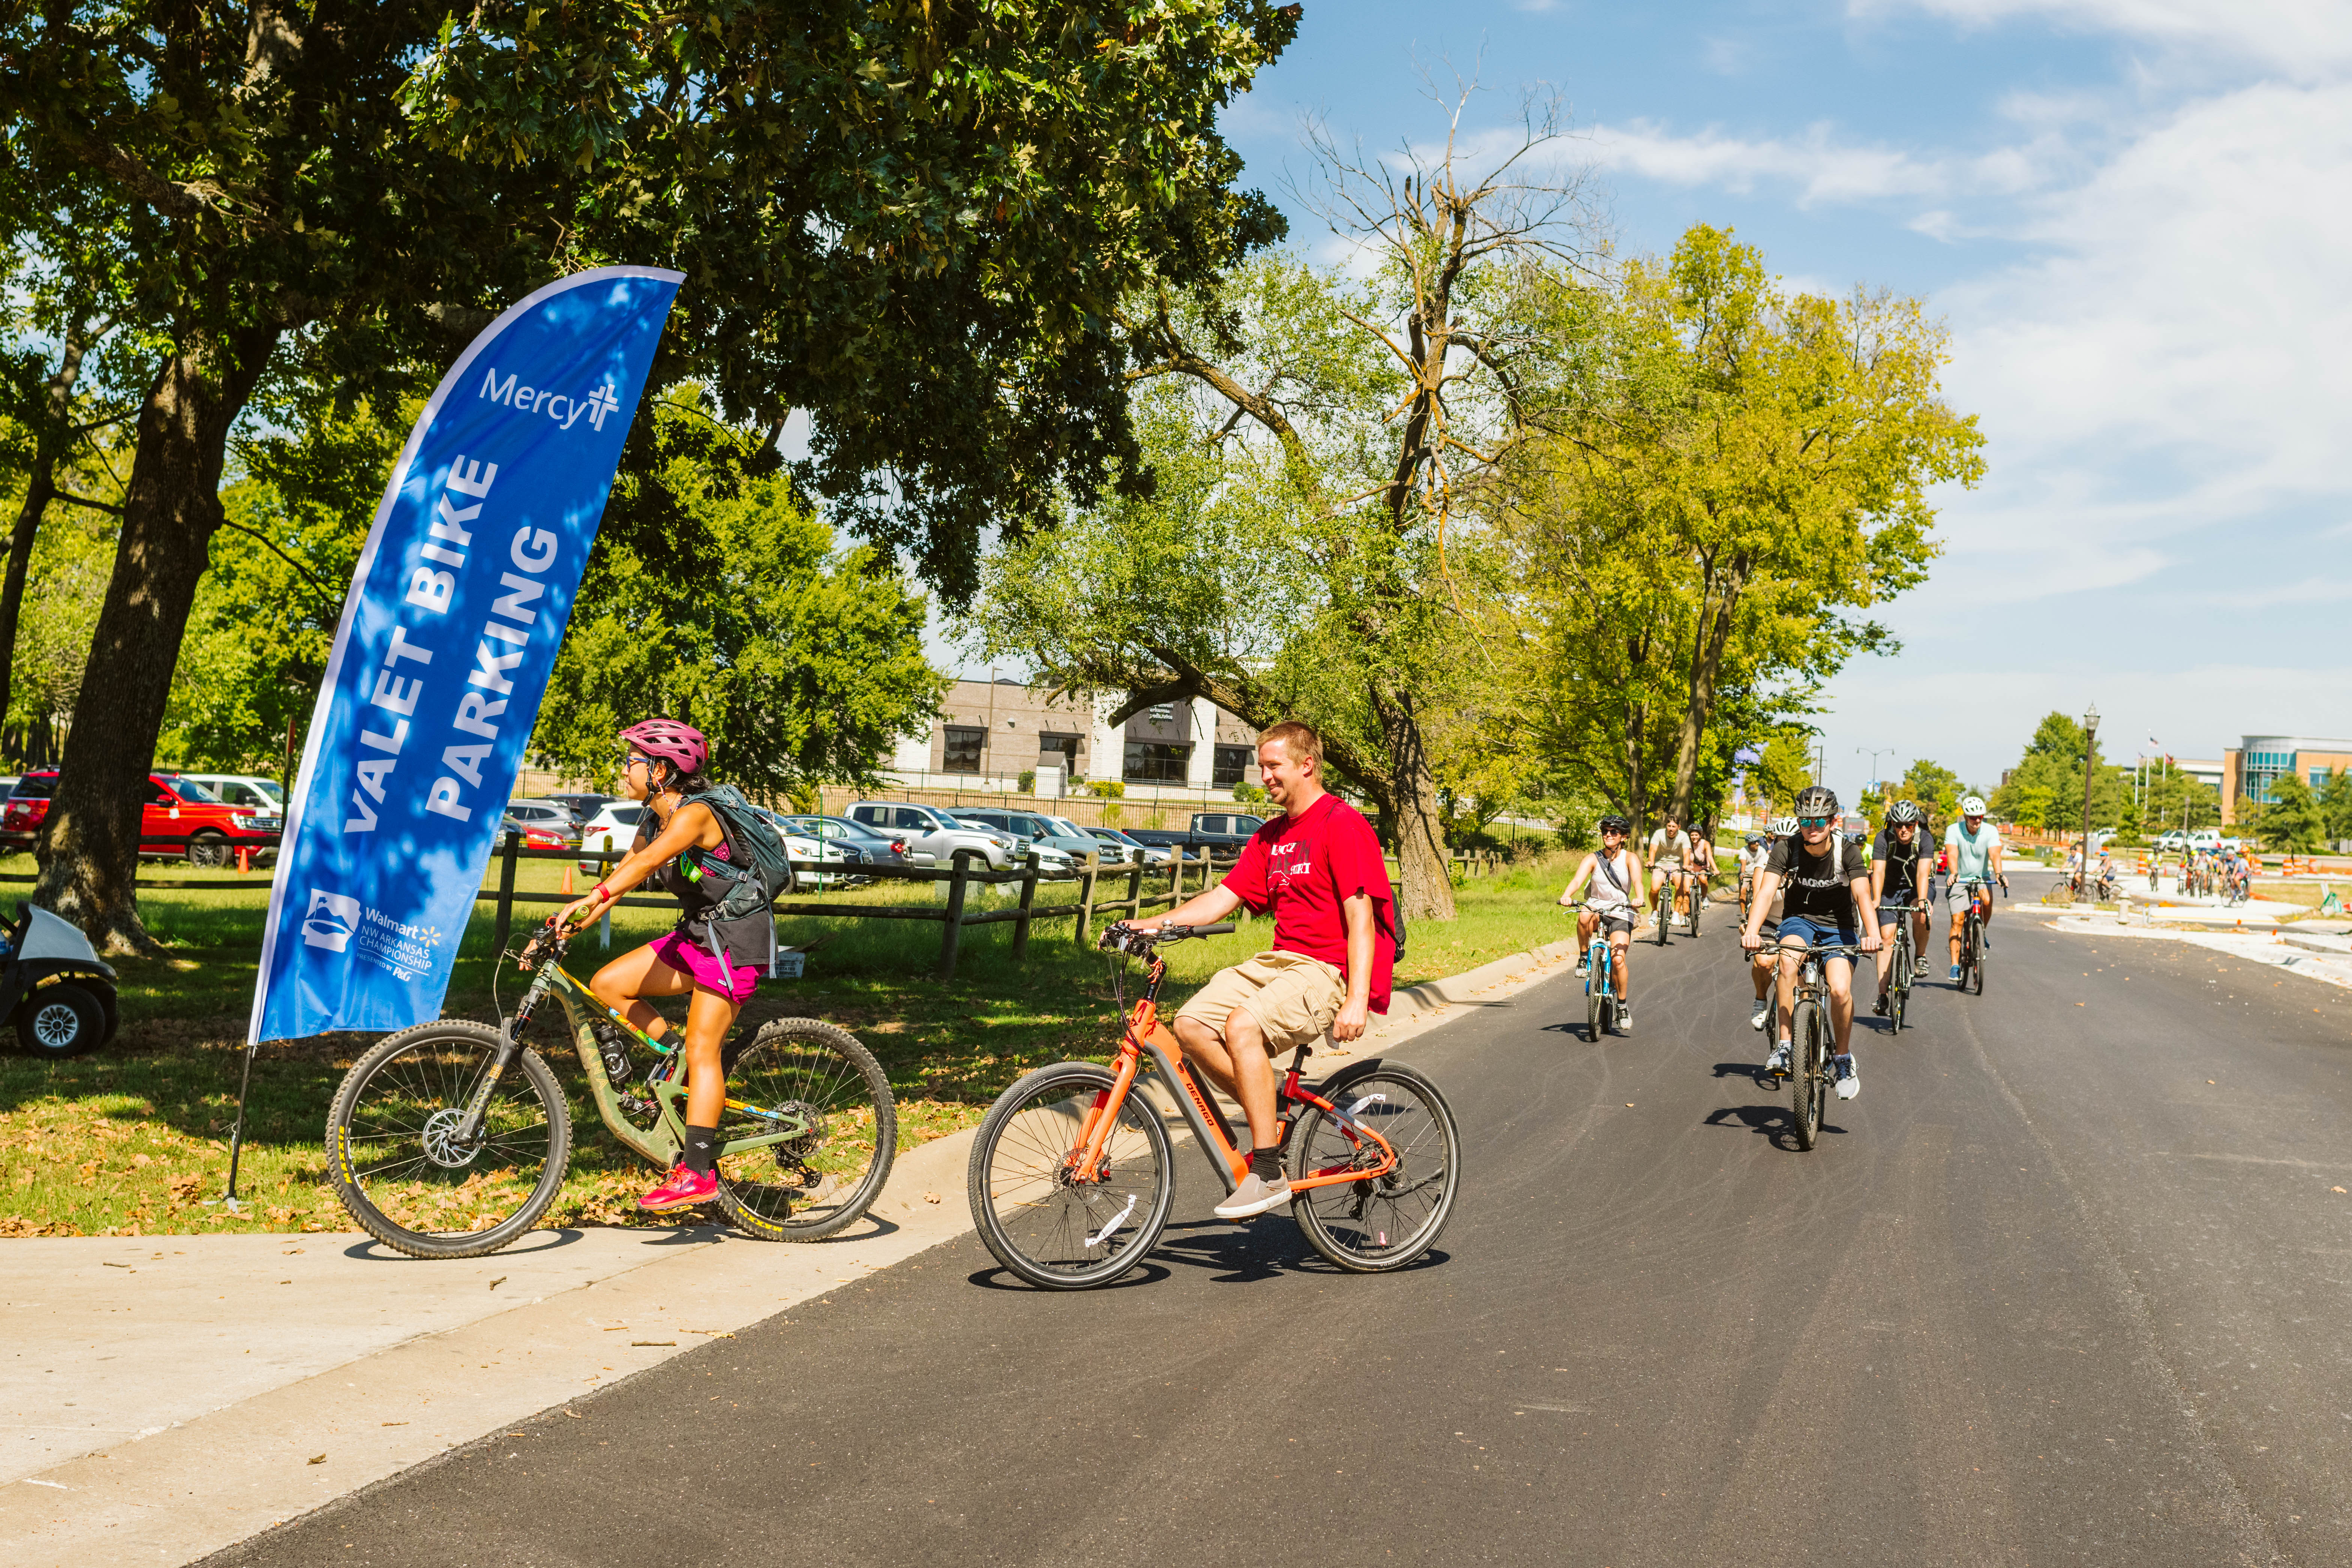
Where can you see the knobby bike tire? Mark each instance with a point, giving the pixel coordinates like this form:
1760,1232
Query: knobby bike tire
1389,1221
1898,992
1665,917
394,1170
825,1181
1041,1227
1805,1084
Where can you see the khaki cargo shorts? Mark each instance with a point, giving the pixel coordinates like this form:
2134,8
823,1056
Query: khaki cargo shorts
1293,997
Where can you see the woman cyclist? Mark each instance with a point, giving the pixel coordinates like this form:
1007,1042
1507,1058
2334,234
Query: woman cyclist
680,844
1614,896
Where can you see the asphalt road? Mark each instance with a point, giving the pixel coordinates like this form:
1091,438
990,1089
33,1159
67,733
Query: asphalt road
2067,1283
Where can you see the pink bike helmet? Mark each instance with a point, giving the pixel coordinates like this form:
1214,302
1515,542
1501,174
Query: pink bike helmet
680,745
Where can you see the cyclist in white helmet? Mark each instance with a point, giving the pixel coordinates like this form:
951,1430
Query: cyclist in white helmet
1767,962
1975,847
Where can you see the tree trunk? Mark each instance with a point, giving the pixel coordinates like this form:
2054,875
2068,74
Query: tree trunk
1428,890
1706,667
89,844
53,439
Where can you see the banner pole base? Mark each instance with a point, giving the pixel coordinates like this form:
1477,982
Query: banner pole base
236,1137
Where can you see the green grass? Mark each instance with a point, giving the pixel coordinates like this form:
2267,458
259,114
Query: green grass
134,1138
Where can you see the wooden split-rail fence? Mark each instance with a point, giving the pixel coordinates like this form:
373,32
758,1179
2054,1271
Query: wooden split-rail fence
1184,874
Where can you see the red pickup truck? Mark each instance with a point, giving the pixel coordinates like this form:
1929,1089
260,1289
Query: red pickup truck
182,820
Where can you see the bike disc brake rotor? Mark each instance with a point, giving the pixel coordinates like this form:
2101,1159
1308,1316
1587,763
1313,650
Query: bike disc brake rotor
442,1144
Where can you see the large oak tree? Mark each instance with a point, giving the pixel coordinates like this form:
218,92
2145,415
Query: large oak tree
911,219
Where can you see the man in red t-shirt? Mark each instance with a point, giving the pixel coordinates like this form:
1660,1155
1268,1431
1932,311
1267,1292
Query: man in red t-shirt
1318,867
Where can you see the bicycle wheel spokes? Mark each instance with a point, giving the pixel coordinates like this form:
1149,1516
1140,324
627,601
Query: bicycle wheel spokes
1041,1218
803,1072
1387,1221
403,1171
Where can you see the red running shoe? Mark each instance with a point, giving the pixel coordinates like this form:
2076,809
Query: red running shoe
683,1190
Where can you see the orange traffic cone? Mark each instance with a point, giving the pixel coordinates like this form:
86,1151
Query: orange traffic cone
244,859
566,889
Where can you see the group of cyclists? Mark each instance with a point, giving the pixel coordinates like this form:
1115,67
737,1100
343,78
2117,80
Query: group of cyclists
2224,873
1802,887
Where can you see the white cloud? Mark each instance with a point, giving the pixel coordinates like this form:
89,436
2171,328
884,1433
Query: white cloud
2301,40
2182,355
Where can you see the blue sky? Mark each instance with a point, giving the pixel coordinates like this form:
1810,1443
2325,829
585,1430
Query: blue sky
2134,215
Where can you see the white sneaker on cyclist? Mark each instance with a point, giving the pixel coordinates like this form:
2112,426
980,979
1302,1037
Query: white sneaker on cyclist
1778,1062
1584,967
1763,1013
1921,972
1255,1197
1624,1017
1849,1080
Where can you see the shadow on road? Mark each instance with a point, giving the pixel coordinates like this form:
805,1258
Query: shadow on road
1145,1273
1771,1121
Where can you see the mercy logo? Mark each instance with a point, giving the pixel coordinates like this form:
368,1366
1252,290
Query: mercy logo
601,402
565,410
328,920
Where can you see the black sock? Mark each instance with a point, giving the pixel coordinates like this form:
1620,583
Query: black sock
1265,1164
701,1149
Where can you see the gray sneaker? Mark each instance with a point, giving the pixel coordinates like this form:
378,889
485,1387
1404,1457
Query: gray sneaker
1849,1080
1763,1014
1255,1197
1624,1017
1778,1062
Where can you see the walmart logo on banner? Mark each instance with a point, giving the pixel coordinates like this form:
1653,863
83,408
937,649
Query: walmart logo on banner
457,606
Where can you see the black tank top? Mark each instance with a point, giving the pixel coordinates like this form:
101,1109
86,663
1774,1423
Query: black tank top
698,892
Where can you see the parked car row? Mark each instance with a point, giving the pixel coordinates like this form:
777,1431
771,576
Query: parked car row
182,820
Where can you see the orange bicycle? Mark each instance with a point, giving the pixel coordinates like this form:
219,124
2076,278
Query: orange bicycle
1074,1174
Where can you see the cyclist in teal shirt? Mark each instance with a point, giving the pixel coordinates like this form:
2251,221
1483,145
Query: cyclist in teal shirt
1975,847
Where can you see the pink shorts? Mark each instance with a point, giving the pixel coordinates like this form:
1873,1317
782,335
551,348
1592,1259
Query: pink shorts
680,952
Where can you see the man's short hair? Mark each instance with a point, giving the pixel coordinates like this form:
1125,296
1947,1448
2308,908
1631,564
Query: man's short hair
1299,740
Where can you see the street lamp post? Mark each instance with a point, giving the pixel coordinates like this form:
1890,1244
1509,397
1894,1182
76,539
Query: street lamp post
2090,759
1873,753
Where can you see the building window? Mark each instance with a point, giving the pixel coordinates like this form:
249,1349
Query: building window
964,745
1156,762
1163,713
1232,763
2319,778
1058,750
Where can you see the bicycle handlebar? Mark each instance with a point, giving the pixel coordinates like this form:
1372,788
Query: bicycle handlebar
1121,937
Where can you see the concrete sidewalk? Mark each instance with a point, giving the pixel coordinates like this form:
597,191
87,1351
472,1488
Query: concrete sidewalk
167,1396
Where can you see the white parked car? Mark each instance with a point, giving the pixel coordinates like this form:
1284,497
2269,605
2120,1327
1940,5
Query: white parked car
248,790
614,828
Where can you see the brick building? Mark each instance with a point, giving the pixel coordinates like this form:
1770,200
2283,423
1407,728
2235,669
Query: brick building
989,733
2249,768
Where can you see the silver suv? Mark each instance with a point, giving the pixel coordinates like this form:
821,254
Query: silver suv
1047,832
935,832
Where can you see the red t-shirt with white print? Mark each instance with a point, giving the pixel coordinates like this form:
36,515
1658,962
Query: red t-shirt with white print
1302,867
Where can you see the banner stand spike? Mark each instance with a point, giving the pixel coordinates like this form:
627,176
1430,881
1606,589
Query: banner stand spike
236,1137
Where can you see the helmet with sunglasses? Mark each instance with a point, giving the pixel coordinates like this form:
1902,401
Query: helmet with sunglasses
1905,811
680,745
1818,801
1615,823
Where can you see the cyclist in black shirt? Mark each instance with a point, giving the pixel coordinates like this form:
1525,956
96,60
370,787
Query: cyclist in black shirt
1899,873
1826,887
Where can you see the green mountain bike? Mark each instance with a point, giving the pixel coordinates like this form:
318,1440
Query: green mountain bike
450,1139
